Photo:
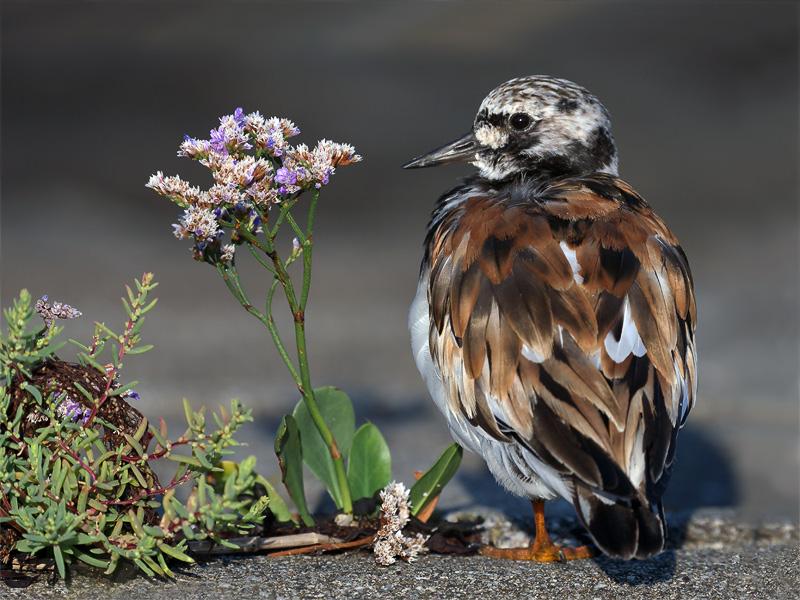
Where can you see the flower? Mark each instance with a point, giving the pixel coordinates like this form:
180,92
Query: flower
194,148
270,134
230,137
246,184
286,176
221,195
226,255
197,222
69,409
390,542
262,193
321,162
57,310
175,188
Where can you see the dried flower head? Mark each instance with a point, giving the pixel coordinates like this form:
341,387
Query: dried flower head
254,167
57,310
390,542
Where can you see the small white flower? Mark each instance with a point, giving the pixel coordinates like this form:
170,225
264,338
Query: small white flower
390,542
270,134
227,253
224,194
262,192
175,188
198,222
240,172
168,186
194,148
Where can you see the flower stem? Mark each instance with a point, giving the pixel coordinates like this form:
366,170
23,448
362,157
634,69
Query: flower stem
231,278
302,374
308,250
305,387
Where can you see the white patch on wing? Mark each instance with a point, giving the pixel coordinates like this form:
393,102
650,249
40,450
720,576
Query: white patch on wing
683,404
629,340
572,257
606,499
636,458
531,354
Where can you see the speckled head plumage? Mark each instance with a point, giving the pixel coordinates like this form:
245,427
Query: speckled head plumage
539,126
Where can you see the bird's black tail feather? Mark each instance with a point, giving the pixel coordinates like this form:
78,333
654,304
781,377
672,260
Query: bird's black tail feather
622,528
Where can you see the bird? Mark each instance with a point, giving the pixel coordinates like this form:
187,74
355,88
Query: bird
554,320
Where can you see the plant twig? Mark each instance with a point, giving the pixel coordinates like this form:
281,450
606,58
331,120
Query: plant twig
257,544
365,541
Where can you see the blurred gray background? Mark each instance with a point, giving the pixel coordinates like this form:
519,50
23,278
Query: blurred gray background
704,97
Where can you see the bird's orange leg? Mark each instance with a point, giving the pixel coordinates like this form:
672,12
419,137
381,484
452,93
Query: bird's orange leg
542,549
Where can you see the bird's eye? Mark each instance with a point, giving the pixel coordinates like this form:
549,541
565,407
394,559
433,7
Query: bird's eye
520,121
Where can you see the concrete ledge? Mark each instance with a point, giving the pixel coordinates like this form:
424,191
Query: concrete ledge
718,558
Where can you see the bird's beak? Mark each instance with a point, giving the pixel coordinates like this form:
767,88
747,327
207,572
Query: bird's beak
461,150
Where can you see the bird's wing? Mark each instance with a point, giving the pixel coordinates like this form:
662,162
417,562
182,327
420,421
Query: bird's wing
566,323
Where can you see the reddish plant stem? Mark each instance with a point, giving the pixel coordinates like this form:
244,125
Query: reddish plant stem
149,493
77,458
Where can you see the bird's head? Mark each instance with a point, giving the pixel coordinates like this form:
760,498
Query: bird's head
535,125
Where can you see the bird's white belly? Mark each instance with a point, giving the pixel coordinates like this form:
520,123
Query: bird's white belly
514,467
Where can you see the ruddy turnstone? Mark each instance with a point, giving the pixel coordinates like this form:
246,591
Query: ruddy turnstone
555,316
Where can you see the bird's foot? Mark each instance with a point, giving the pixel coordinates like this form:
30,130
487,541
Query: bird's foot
545,553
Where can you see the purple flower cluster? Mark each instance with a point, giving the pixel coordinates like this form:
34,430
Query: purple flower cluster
230,136
75,411
254,167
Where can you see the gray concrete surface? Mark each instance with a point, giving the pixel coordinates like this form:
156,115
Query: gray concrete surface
720,559
704,96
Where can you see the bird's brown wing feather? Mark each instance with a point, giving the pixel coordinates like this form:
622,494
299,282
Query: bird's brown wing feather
518,338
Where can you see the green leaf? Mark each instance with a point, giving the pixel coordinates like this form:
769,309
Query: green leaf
175,552
91,560
93,362
59,556
124,388
189,460
134,444
337,412
431,483
147,571
276,504
86,393
188,412
370,465
140,349
33,391
289,450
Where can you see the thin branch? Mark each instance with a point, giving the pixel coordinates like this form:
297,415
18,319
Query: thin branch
365,541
